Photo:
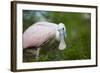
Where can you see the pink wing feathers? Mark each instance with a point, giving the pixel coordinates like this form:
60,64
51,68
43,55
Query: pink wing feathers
36,35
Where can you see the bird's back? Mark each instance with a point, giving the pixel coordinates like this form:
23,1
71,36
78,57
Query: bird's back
38,33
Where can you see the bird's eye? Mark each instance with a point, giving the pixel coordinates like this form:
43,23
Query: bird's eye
63,28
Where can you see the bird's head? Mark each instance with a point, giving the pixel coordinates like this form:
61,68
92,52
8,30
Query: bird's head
61,36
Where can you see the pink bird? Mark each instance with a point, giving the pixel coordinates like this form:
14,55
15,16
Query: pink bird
41,32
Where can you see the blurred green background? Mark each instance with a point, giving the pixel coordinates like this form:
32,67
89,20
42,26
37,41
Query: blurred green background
78,41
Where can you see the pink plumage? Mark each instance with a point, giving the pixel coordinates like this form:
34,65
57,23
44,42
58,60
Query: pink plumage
39,33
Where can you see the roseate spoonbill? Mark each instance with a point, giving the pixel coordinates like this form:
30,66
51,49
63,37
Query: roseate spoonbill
42,32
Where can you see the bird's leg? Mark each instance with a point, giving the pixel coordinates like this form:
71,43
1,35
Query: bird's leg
37,54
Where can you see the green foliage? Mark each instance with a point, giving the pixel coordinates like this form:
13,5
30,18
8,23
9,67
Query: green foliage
78,39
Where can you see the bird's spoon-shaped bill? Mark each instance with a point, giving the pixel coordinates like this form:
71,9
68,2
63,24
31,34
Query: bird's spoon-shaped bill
62,44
